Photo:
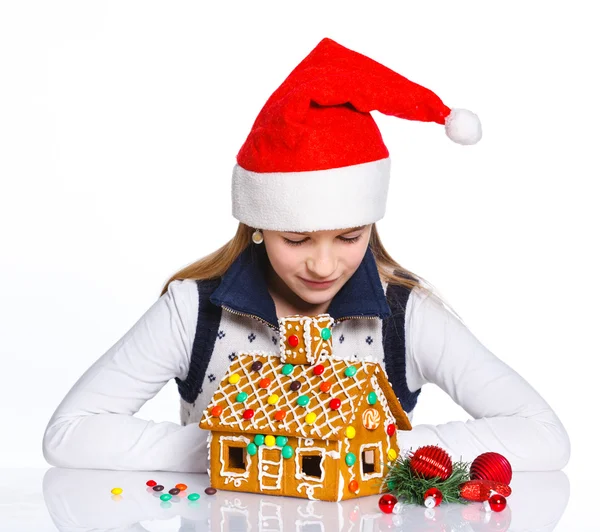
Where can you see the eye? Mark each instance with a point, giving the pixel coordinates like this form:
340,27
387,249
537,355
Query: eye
345,240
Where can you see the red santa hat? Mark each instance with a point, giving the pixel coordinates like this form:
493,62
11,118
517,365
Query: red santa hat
315,159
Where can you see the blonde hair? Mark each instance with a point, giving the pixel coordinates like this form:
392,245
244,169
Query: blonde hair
218,262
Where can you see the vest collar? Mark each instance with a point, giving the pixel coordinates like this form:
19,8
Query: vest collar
243,288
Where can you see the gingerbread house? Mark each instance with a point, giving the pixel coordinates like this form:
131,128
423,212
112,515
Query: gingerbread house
302,422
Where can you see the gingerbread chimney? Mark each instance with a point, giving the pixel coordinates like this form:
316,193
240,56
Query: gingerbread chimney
305,339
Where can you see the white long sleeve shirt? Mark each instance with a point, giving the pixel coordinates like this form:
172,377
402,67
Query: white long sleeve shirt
94,426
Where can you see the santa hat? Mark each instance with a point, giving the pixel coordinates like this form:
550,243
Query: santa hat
315,159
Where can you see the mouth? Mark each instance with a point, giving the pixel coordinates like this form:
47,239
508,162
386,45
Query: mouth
314,284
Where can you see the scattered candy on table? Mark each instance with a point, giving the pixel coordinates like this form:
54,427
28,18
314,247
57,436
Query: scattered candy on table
210,491
158,487
174,491
151,483
193,496
116,491
166,497
181,487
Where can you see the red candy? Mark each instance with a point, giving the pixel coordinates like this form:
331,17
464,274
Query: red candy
353,486
216,411
325,386
248,414
334,404
181,487
264,383
318,370
280,415
391,429
151,483
293,340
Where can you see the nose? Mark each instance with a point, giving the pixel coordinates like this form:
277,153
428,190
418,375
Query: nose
322,263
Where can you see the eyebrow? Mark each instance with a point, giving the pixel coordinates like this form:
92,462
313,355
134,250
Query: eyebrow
344,233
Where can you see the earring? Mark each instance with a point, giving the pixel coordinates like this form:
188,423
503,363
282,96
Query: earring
257,237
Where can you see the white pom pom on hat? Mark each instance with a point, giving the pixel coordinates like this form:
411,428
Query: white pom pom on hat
463,127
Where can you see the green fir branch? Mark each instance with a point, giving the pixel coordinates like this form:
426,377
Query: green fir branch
404,484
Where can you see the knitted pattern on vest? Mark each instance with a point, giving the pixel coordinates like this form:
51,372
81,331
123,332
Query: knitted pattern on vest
221,334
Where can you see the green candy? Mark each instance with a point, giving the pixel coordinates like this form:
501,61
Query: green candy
252,449
259,439
303,400
166,497
350,371
350,459
372,398
280,441
193,496
326,333
287,369
241,397
287,452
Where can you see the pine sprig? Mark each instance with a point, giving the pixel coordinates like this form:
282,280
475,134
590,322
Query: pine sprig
401,482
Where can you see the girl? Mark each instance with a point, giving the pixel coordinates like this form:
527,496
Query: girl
310,182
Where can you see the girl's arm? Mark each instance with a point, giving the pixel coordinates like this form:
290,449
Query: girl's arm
510,417
94,426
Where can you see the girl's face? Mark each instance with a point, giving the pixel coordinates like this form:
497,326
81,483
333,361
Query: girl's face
333,256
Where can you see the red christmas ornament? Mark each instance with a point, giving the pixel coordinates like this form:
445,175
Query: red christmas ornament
475,491
432,497
497,503
391,429
293,340
431,461
491,466
386,503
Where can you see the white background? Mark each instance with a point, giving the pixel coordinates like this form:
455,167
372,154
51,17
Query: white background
119,127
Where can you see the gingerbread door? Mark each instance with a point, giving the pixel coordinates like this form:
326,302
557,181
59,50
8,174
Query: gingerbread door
270,470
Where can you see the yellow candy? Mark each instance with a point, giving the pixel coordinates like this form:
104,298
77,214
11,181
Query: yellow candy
116,491
310,418
269,440
350,432
234,379
273,399
392,454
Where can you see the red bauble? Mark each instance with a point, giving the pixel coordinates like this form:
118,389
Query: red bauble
480,490
386,503
432,497
497,502
491,466
431,461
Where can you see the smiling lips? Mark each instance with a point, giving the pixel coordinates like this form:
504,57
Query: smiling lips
314,284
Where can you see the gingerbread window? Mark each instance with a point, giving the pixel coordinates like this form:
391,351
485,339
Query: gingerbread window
235,458
370,461
309,466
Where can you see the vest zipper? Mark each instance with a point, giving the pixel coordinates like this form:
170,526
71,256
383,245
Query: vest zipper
335,322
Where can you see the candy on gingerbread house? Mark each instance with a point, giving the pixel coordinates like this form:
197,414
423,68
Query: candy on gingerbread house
302,422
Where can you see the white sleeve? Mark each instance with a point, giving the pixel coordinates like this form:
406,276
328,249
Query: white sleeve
94,426
510,417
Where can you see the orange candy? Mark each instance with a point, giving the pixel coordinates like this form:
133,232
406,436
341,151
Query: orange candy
181,487
325,386
280,415
216,411
353,486
264,383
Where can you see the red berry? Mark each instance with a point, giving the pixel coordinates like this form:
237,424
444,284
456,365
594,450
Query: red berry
387,503
497,502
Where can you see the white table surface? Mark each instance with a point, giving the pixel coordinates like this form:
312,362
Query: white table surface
80,500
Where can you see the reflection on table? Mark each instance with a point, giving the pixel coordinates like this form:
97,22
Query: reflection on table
81,500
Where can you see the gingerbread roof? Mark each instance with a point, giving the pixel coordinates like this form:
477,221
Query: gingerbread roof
259,386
